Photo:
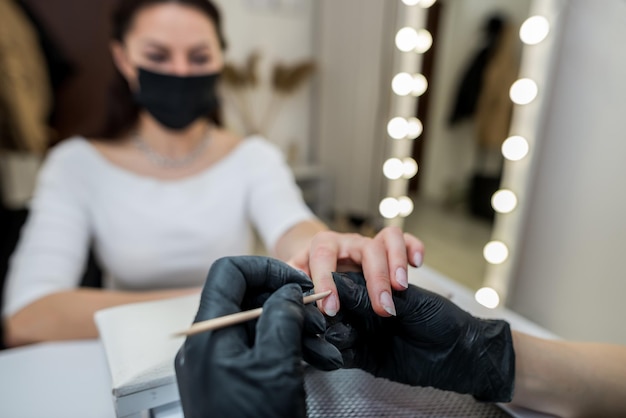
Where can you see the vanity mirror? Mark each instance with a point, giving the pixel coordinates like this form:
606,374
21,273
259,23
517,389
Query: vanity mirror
490,67
346,119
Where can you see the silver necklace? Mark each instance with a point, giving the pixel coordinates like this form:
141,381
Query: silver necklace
169,162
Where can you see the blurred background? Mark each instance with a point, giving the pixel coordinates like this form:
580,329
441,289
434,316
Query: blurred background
316,76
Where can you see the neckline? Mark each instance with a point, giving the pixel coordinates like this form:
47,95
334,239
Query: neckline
104,161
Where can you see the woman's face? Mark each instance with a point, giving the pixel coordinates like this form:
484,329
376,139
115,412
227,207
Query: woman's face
169,38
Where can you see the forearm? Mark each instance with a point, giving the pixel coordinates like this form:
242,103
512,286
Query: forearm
69,315
570,379
297,238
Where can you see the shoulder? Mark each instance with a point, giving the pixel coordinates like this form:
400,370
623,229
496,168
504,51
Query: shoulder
260,149
69,160
72,149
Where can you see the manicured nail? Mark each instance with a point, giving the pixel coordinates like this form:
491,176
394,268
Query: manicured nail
418,259
331,306
387,302
401,277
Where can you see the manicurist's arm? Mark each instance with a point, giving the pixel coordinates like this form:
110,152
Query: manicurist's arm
570,379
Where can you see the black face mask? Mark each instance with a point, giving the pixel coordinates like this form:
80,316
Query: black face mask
176,102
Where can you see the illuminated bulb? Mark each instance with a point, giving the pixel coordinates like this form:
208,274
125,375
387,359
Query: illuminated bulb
389,208
410,168
393,168
504,201
420,85
403,84
523,91
487,297
398,128
407,39
410,2
515,148
405,205
495,252
414,128
423,41
534,30
427,3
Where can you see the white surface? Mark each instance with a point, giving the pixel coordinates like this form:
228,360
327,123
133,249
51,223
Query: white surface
71,380
68,380
138,341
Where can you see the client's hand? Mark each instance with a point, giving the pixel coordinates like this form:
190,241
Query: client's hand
431,342
253,369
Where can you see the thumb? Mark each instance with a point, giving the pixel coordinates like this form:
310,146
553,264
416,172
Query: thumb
279,330
353,292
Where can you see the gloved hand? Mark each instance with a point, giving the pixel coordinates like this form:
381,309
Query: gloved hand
431,342
253,369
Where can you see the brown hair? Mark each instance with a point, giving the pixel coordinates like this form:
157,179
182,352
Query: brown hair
122,111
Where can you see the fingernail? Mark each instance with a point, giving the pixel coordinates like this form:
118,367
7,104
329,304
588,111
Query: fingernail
418,259
331,306
387,302
402,278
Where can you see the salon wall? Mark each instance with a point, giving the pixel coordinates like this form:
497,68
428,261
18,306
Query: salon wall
355,45
337,120
280,31
571,276
450,151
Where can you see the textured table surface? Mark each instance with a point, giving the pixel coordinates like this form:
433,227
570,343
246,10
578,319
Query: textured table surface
354,393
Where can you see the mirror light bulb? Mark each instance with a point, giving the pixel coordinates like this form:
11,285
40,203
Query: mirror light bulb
504,201
405,205
423,41
402,84
534,30
410,2
420,85
515,148
495,252
410,168
398,128
393,168
389,208
407,39
414,128
487,297
523,91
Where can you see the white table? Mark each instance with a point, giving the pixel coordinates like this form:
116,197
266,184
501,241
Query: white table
68,379
71,379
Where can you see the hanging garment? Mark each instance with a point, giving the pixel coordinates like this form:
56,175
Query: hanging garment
494,106
25,96
471,81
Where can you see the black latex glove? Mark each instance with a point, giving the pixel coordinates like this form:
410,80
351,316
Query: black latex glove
253,369
431,342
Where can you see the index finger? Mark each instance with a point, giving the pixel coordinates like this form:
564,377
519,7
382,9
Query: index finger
323,257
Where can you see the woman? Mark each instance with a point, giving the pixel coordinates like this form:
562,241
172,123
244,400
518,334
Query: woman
170,191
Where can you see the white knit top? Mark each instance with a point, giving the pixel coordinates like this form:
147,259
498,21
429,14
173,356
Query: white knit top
147,233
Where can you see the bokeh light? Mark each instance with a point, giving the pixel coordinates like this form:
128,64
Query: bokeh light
534,30
514,148
495,252
487,297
